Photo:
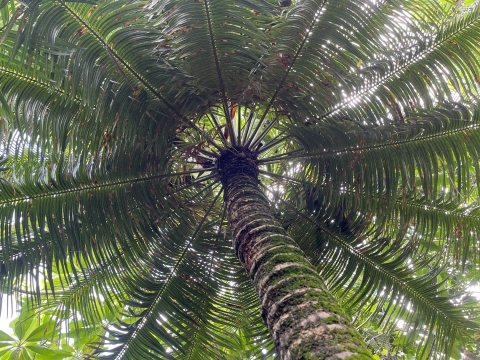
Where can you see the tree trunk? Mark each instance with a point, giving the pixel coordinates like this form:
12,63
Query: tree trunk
303,318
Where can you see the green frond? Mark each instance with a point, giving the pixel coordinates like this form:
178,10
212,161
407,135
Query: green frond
217,43
432,67
63,221
351,60
186,303
418,160
402,176
365,271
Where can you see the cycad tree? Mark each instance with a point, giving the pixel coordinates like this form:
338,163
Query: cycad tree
331,144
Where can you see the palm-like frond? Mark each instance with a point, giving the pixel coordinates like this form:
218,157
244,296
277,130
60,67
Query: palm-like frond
387,274
416,164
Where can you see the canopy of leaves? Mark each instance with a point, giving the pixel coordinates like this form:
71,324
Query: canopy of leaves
366,121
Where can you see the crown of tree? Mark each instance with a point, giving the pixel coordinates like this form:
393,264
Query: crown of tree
245,179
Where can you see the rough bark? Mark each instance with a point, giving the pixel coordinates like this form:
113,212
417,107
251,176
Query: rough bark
303,318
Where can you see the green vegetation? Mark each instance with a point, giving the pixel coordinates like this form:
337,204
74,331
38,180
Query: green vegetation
362,119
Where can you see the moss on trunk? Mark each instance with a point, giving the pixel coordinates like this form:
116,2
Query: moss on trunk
303,318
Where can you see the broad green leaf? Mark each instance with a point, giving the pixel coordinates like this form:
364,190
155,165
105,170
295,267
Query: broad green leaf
48,352
4,337
42,332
